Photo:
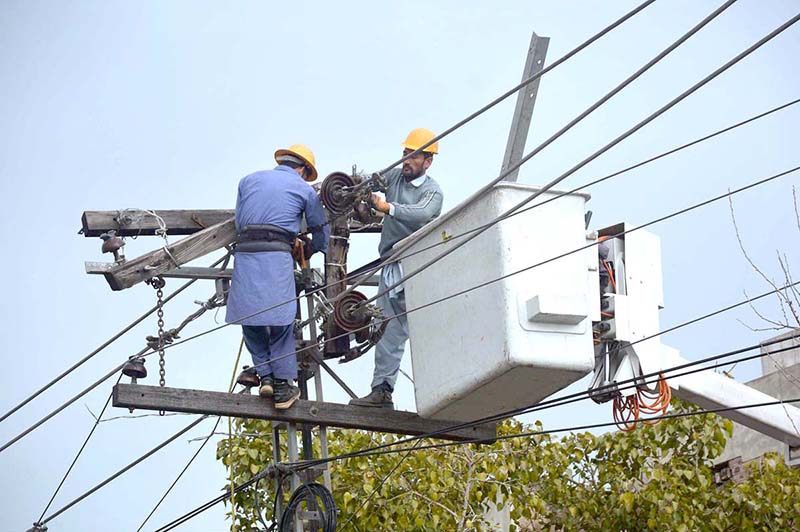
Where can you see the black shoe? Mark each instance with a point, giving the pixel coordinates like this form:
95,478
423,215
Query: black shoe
285,394
379,397
266,388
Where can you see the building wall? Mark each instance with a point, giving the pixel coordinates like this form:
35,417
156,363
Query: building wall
780,379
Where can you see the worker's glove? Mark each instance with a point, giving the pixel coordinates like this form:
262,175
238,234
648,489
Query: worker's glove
378,203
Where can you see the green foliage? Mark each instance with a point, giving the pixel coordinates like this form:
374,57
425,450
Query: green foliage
656,478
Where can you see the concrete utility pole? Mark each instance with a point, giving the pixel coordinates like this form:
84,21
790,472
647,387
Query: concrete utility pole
526,98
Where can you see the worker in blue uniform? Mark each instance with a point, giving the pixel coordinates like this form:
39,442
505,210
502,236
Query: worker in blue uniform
413,199
269,208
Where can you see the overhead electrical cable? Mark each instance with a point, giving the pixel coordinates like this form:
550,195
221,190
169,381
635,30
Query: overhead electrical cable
598,425
398,253
440,300
548,200
105,344
78,455
524,82
194,456
538,264
588,159
205,506
619,385
612,175
142,458
561,401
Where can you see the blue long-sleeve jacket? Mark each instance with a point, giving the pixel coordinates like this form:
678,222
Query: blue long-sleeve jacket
265,279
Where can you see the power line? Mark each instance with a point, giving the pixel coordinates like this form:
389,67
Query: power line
148,454
141,353
62,407
231,386
598,425
462,292
536,265
524,83
77,456
186,467
575,397
613,174
193,513
105,344
512,91
548,200
592,157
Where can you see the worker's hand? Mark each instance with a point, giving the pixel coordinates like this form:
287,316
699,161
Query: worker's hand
378,203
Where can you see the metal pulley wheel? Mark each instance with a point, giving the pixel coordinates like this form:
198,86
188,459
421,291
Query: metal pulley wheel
332,195
349,314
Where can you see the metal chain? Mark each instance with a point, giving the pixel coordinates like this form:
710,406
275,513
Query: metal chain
158,283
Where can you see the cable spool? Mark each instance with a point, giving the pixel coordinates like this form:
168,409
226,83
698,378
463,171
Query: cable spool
332,195
347,312
318,500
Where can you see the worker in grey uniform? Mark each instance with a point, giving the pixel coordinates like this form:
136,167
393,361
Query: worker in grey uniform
413,199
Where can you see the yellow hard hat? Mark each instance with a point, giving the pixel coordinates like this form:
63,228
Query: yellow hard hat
301,152
419,137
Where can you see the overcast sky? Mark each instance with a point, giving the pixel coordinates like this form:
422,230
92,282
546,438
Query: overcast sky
109,105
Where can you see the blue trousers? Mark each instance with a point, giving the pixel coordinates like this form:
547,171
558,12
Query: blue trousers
272,347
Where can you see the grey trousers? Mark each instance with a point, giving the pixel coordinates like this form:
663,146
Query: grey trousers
389,351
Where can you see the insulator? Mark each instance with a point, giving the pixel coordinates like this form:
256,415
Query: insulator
332,195
134,368
248,377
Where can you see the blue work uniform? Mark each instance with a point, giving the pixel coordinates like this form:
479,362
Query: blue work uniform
265,279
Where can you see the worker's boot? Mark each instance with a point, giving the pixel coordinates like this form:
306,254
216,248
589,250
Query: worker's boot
285,394
379,397
266,387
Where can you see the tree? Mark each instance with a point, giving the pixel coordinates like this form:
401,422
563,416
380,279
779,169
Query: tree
656,478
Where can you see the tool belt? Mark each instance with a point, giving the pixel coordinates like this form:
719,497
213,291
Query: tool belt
267,237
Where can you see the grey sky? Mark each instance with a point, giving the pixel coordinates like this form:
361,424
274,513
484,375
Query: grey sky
110,105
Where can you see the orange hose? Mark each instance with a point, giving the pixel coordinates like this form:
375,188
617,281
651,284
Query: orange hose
610,276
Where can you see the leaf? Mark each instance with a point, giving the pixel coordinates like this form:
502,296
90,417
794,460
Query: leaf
627,500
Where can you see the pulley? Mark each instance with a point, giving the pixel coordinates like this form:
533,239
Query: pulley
349,314
333,195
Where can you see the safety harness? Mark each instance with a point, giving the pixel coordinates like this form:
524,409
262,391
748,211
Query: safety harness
264,237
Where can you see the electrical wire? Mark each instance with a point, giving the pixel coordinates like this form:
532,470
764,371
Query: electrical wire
462,292
592,157
381,483
604,178
77,456
105,344
524,83
142,458
610,424
216,500
194,456
399,254
510,92
384,449
538,264
580,396
141,353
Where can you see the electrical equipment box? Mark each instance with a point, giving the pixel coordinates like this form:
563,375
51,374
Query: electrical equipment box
516,340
